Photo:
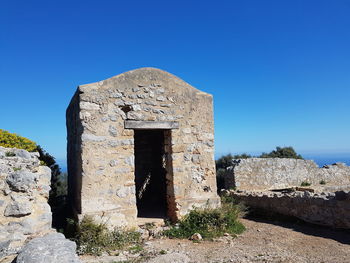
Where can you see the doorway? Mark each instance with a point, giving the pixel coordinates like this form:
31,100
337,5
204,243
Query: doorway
150,173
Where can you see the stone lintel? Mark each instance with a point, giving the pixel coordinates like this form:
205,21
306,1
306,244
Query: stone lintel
161,125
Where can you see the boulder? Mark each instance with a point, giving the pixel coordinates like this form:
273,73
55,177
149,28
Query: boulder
51,248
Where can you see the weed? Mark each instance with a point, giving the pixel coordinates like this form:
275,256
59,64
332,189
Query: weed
16,169
136,249
94,238
10,154
208,222
149,226
305,183
322,182
162,252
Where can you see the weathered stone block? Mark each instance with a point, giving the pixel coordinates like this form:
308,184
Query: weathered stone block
21,181
17,209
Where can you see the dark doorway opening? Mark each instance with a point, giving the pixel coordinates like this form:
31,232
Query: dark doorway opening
150,173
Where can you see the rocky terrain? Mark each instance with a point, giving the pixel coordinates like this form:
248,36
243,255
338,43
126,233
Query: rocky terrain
25,215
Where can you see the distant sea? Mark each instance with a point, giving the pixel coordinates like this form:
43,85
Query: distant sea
322,159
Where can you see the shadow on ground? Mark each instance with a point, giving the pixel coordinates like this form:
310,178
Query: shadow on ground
295,224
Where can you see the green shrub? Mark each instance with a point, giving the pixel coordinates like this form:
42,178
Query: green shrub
208,222
94,238
12,140
322,182
282,152
305,183
221,165
242,156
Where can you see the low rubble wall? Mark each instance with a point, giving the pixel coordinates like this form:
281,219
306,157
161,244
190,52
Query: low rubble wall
274,173
328,209
24,192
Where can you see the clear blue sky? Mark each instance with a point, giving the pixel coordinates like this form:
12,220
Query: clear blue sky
279,70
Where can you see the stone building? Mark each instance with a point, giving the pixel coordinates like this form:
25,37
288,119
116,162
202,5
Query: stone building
140,145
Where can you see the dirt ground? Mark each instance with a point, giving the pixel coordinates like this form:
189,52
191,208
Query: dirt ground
263,241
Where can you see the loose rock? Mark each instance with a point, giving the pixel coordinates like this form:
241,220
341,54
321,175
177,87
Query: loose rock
52,248
196,237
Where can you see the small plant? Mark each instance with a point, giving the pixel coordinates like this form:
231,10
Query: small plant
208,222
94,238
305,183
10,154
322,182
162,252
16,169
150,226
136,249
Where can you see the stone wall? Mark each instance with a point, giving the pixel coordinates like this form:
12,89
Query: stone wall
24,191
274,173
328,209
101,161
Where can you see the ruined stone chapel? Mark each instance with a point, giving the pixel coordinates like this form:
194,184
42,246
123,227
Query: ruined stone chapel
140,145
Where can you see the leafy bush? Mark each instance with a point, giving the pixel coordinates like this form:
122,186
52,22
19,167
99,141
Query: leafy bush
282,152
222,163
226,160
48,160
242,156
12,140
305,183
94,238
208,222
322,182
